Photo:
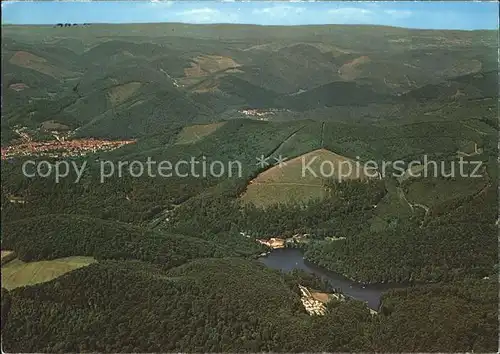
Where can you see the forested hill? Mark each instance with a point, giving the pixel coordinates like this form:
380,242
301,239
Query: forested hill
142,80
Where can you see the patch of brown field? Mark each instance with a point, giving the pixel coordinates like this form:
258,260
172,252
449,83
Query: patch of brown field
204,65
352,69
121,93
34,62
18,87
193,133
301,179
322,297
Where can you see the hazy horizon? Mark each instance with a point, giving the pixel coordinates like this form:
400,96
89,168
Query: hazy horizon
403,14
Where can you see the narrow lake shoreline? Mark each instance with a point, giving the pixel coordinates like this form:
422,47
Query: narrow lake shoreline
288,259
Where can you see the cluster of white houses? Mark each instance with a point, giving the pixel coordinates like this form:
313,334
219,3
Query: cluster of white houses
312,306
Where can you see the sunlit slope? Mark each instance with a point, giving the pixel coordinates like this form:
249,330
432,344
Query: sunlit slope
17,273
302,178
193,133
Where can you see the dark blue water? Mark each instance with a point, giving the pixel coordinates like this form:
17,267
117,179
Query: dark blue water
288,259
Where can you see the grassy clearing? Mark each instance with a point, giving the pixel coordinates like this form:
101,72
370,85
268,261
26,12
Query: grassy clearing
208,64
34,62
301,179
311,168
18,273
204,66
194,133
264,195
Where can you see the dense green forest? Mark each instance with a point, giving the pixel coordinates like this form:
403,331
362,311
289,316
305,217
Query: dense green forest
229,305
66,235
457,315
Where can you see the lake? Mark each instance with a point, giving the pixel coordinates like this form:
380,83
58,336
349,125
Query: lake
288,259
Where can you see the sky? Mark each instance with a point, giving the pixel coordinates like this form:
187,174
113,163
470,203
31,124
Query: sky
410,14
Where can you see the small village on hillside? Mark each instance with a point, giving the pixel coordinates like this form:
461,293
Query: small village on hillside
315,302
261,114
63,144
67,148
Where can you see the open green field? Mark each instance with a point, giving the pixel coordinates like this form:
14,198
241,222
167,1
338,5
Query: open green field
18,273
301,179
193,133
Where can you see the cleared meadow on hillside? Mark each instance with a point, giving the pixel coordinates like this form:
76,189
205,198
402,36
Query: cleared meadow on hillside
18,273
300,179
